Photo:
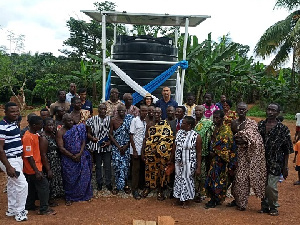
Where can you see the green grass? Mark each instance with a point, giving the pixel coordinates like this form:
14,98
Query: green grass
256,111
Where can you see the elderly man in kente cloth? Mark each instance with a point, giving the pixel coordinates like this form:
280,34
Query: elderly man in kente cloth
221,152
120,137
159,142
251,166
204,128
76,161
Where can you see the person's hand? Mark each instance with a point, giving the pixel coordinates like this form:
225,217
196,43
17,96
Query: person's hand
122,151
135,154
198,171
77,157
49,174
125,147
11,172
106,143
94,140
38,175
120,148
285,173
239,141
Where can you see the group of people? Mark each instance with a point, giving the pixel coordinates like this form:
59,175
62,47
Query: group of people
196,151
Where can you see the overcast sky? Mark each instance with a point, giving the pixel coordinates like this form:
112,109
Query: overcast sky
43,22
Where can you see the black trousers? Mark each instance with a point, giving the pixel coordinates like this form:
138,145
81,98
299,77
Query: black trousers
41,187
135,174
104,157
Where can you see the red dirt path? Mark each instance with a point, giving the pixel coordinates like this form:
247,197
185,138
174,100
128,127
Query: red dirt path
116,210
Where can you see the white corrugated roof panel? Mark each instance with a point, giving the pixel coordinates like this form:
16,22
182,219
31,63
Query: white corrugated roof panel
146,18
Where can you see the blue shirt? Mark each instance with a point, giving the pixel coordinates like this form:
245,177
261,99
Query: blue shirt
220,106
10,133
164,105
87,106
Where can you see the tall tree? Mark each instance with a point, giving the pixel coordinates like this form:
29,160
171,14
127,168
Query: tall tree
86,37
14,72
85,41
282,38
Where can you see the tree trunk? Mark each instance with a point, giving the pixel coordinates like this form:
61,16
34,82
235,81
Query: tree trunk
293,67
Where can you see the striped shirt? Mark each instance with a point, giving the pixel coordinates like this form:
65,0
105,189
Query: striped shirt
100,129
10,133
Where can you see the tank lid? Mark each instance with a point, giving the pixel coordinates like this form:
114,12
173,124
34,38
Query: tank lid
146,18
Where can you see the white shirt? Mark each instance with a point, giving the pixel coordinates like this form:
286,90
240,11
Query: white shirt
297,117
137,128
69,96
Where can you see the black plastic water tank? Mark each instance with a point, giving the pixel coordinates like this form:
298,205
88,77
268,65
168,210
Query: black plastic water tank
144,48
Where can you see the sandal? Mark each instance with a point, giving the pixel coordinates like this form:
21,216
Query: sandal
127,190
198,198
274,212
241,208
47,212
264,211
231,204
184,205
136,195
115,191
177,203
160,196
297,183
68,203
145,192
210,204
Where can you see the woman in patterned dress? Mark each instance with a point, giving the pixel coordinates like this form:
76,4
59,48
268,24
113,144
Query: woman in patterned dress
221,153
229,114
187,153
49,147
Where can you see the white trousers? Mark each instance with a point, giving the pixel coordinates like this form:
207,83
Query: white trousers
17,188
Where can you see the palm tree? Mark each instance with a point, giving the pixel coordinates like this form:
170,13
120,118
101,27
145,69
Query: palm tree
282,38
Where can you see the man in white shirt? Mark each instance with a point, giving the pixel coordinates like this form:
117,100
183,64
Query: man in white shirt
137,135
72,93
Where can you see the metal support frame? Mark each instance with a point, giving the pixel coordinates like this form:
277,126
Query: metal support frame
186,34
103,56
177,94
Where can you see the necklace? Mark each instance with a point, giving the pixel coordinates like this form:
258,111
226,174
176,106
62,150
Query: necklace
238,126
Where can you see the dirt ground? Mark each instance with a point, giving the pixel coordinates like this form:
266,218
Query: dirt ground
120,210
